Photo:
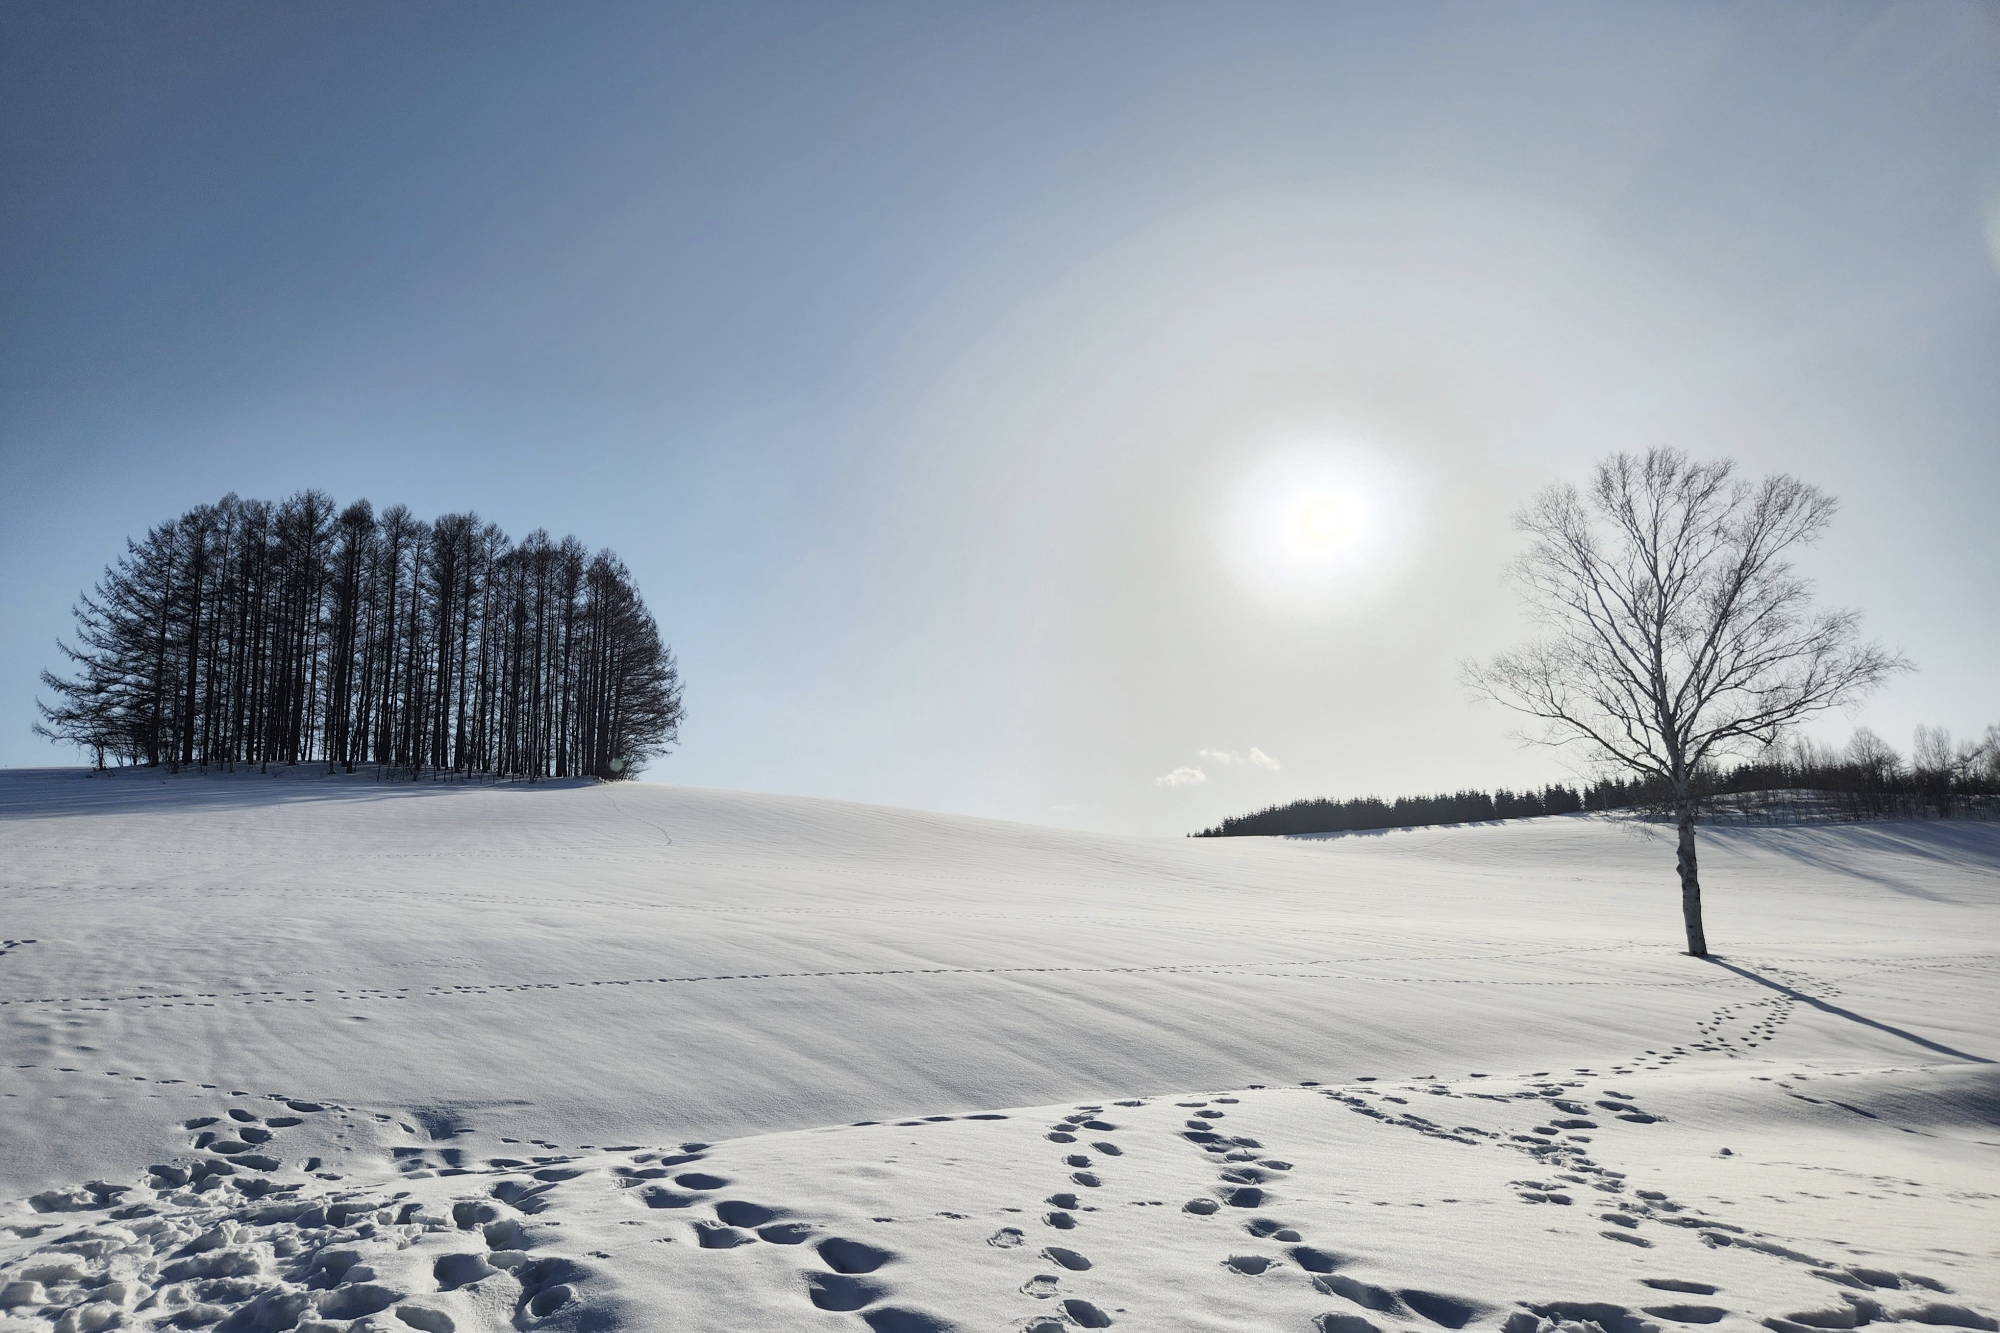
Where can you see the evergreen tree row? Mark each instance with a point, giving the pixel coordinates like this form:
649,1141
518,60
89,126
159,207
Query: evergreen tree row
247,632
1866,780
1370,812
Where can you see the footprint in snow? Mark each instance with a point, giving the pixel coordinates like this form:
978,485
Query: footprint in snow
715,1237
851,1256
738,1213
1085,1315
785,1233
1042,1286
1263,1227
838,1292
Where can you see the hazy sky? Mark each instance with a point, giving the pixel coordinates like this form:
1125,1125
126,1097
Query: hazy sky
942,369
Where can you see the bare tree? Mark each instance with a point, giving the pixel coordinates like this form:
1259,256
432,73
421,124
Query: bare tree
1982,757
1675,631
1875,757
1931,754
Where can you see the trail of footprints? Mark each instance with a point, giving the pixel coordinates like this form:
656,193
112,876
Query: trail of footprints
1244,1172
219,1244
843,1276
368,995
1084,1140
1559,1147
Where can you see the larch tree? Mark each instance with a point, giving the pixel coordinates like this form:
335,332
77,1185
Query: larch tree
1674,629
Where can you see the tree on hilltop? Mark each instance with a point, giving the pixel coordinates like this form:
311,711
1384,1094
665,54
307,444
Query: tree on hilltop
1674,629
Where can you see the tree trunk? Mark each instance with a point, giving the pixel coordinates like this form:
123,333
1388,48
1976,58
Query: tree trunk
1690,883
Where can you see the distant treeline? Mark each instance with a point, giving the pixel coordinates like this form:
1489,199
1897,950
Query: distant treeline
1866,780
1370,812
247,632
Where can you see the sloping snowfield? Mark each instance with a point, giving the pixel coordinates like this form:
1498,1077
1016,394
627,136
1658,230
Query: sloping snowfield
298,1052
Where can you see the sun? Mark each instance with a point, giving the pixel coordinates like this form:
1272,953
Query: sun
1314,528
1322,522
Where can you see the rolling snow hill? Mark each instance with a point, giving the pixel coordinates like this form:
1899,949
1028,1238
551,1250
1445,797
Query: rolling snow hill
307,1052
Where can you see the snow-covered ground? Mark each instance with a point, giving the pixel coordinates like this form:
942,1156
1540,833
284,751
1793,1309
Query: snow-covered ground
307,1052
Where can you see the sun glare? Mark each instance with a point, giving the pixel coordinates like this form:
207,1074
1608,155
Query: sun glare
1313,529
1324,522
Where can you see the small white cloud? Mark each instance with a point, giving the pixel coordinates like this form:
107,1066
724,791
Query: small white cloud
1230,759
1181,777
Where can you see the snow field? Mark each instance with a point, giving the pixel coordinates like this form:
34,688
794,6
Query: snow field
333,1054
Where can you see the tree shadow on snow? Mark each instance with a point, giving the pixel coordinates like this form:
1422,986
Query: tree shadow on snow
1848,1014
1858,850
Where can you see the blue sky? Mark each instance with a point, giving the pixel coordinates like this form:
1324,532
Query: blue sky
916,357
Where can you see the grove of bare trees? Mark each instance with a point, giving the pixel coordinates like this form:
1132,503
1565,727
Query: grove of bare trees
247,632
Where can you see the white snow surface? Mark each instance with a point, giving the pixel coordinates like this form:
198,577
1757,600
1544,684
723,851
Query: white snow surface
298,1052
